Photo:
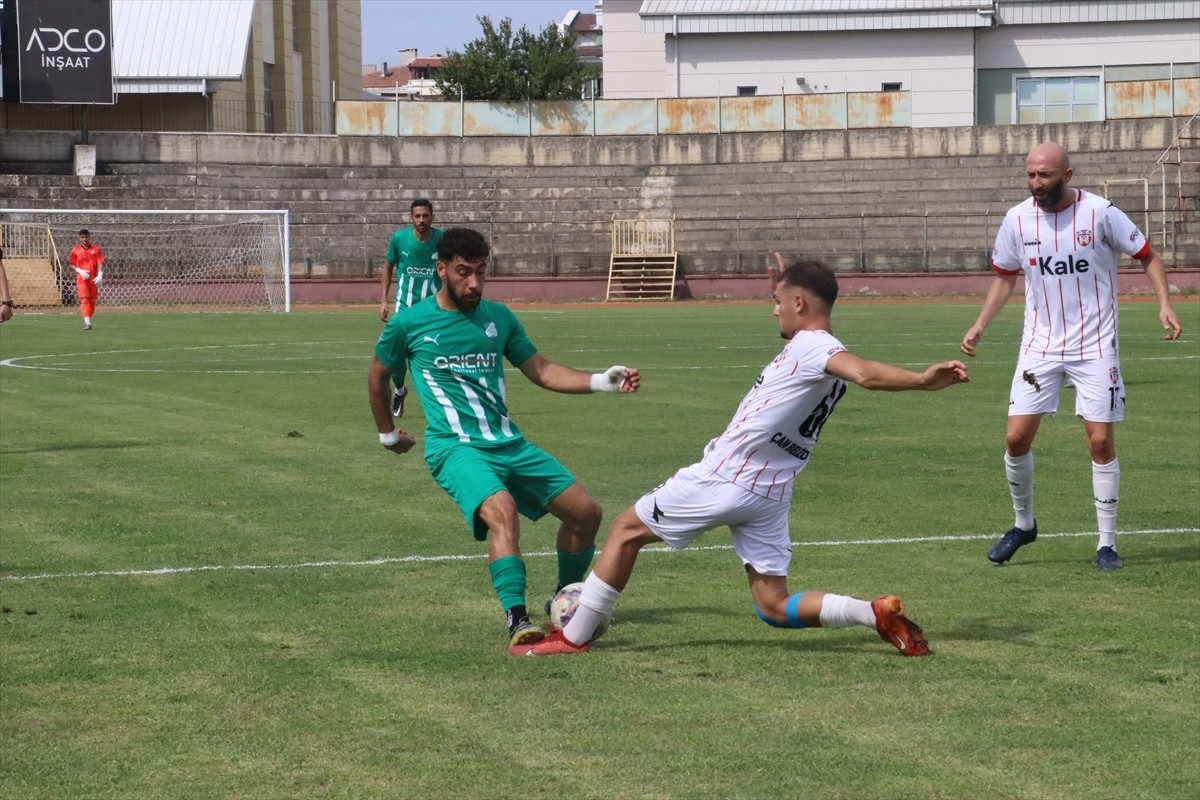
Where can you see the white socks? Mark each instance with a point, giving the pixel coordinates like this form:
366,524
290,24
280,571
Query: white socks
595,606
1106,484
840,611
1019,471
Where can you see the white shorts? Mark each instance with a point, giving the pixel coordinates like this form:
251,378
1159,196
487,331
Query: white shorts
1099,389
694,500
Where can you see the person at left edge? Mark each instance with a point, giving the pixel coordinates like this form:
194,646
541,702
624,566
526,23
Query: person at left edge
6,301
455,343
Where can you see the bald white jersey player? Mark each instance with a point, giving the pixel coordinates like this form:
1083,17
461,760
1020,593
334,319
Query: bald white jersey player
1068,244
744,481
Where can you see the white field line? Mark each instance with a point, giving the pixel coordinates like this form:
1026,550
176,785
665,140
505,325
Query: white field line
74,362
476,556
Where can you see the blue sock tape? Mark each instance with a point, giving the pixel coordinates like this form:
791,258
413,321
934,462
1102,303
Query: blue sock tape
791,611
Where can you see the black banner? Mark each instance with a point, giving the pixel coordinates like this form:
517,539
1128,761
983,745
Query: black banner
8,50
65,51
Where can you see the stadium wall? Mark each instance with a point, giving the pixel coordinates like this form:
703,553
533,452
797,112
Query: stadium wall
916,205
332,291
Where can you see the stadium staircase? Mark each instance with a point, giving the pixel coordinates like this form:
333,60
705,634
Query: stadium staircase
31,264
644,262
1177,172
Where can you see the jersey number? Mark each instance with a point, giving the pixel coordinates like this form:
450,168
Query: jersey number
811,427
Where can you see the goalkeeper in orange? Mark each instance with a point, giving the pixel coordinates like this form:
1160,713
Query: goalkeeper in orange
88,263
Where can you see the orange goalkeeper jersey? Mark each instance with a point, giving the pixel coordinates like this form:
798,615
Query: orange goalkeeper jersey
87,258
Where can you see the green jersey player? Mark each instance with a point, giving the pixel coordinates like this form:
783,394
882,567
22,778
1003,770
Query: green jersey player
412,253
455,344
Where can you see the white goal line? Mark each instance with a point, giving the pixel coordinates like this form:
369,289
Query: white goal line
374,562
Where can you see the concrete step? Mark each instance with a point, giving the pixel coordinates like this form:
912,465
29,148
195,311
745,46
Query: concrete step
32,282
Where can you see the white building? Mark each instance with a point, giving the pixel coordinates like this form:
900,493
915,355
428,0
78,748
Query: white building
961,62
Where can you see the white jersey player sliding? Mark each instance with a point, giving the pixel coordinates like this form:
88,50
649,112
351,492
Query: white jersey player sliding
1068,244
745,478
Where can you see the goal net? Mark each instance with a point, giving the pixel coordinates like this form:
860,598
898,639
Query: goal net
179,260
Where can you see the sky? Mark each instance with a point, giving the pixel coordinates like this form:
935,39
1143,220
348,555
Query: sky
438,26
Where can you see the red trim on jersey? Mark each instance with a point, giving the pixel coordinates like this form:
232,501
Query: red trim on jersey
1079,298
1096,287
754,482
1002,271
738,474
733,447
775,483
1145,251
1074,227
1062,313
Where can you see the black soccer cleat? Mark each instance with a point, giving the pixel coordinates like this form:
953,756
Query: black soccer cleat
398,401
1108,560
1010,542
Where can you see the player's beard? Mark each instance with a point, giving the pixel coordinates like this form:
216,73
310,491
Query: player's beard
1052,195
461,301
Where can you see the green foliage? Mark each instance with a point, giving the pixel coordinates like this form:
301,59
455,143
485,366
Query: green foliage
506,67
217,584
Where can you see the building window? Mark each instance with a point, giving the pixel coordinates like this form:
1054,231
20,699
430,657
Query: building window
747,91
1066,99
892,87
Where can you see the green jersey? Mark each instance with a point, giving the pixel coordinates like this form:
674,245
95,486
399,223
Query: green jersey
416,266
455,359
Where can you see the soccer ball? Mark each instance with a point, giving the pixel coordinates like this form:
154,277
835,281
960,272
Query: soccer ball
563,605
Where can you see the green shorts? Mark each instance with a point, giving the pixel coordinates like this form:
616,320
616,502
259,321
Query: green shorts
471,475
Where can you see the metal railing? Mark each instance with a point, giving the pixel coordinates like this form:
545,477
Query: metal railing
239,116
917,242
1161,168
643,236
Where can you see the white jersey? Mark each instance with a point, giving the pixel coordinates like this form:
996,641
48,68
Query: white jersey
1070,261
770,438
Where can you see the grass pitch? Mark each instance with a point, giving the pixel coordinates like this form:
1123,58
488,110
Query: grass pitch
216,584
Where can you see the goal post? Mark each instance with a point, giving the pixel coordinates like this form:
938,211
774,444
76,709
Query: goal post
200,260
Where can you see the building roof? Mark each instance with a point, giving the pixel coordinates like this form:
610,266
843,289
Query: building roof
381,79
179,45
1039,12
584,23
762,16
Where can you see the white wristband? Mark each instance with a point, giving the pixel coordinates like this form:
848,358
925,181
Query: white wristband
610,380
389,439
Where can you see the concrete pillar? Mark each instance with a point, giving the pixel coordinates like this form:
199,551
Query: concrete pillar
85,160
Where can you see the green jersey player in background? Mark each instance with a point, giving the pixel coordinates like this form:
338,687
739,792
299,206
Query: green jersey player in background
412,253
455,344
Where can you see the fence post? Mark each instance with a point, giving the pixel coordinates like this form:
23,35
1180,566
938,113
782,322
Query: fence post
738,241
986,229
925,243
862,234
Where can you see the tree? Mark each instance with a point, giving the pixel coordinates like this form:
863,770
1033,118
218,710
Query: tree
504,67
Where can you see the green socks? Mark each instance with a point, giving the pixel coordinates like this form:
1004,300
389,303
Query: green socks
573,567
508,579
